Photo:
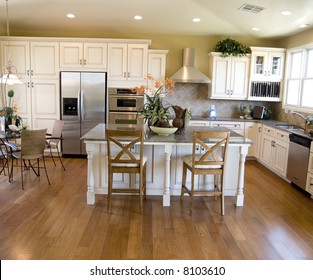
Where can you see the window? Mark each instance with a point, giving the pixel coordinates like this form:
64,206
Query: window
299,79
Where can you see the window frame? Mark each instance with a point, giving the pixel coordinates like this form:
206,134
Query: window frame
304,50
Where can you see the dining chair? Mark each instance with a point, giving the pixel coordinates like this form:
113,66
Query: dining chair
123,159
206,160
31,154
3,159
53,140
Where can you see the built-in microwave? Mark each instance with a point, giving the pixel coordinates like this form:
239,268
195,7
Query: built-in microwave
124,100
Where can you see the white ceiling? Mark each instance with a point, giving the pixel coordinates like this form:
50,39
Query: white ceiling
166,17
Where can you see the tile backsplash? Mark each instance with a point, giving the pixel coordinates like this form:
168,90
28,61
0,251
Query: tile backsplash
195,97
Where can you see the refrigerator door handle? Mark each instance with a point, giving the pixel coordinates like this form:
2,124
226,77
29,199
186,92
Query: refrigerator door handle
82,114
79,105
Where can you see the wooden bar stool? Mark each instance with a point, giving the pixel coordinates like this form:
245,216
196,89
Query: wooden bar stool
211,160
123,159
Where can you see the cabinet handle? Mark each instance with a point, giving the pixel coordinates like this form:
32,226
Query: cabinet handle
32,84
260,130
274,144
124,74
28,84
31,72
84,61
128,74
81,62
27,72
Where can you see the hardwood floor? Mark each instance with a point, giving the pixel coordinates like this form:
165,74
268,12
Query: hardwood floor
54,222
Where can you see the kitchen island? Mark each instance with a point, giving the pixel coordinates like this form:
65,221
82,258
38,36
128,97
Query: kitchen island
164,166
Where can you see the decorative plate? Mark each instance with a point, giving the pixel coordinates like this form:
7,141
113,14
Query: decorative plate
164,131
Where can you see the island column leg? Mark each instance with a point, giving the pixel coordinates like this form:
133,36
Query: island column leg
91,196
167,176
240,186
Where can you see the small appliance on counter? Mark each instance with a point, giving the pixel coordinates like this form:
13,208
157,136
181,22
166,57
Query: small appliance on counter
261,112
258,112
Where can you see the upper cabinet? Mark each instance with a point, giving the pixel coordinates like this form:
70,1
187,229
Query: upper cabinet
127,62
32,59
157,63
83,55
229,76
267,68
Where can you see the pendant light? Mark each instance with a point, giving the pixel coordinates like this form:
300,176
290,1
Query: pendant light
9,78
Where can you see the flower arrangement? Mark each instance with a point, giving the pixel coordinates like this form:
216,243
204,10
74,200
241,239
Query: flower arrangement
154,112
9,111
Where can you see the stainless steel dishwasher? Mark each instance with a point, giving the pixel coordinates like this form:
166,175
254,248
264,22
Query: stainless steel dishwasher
298,159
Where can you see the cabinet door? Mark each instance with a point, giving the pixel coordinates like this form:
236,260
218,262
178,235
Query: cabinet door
95,56
71,54
250,133
259,65
275,65
221,77
157,64
117,62
280,157
16,53
45,102
44,60
266,150
239,77
137,62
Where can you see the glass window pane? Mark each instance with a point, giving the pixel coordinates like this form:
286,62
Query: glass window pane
295,65
309,68
292,92
307,93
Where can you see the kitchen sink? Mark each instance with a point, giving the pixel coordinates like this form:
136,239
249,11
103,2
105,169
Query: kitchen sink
288,126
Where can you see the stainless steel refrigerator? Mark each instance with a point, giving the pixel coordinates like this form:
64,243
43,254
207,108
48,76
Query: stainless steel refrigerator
83,106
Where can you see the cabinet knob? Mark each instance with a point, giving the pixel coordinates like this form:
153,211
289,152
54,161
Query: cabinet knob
81,62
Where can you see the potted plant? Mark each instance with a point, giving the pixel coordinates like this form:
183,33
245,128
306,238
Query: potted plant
231,47
154,112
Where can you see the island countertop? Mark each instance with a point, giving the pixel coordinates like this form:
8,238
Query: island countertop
184,136
164,165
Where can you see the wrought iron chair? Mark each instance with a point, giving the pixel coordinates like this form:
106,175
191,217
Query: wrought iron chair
31,154
53,140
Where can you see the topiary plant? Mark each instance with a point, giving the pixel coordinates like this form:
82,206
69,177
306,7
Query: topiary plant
231,47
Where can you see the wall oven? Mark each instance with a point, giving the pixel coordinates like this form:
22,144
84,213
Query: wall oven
123,107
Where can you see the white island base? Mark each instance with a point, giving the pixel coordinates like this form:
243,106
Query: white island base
164,166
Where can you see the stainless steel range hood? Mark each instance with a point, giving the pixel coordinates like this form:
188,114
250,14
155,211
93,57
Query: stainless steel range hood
188,73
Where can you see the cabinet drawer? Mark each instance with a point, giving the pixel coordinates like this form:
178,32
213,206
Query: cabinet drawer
230,125
281,135
268,130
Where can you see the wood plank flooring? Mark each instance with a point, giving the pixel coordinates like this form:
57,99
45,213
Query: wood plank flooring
54,222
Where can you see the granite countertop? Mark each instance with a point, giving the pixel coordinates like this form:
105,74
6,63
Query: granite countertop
184,136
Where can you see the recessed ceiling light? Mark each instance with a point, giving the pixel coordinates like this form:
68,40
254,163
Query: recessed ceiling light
285,13
255,28
138,17
196,19
70,15
303,25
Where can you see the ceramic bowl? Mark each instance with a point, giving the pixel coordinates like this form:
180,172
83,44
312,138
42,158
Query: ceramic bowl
163,130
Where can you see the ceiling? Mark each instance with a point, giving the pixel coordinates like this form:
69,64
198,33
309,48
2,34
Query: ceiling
160,17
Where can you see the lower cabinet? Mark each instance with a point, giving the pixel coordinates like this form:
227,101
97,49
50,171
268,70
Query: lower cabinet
274,149
309,181
253,131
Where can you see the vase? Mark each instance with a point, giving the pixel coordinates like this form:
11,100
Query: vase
179,120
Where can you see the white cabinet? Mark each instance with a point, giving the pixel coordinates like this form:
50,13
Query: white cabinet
253,131
267,68
127,62
309,181
229,76
83,55
238,127
267,63
274,149
37,66
157,63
